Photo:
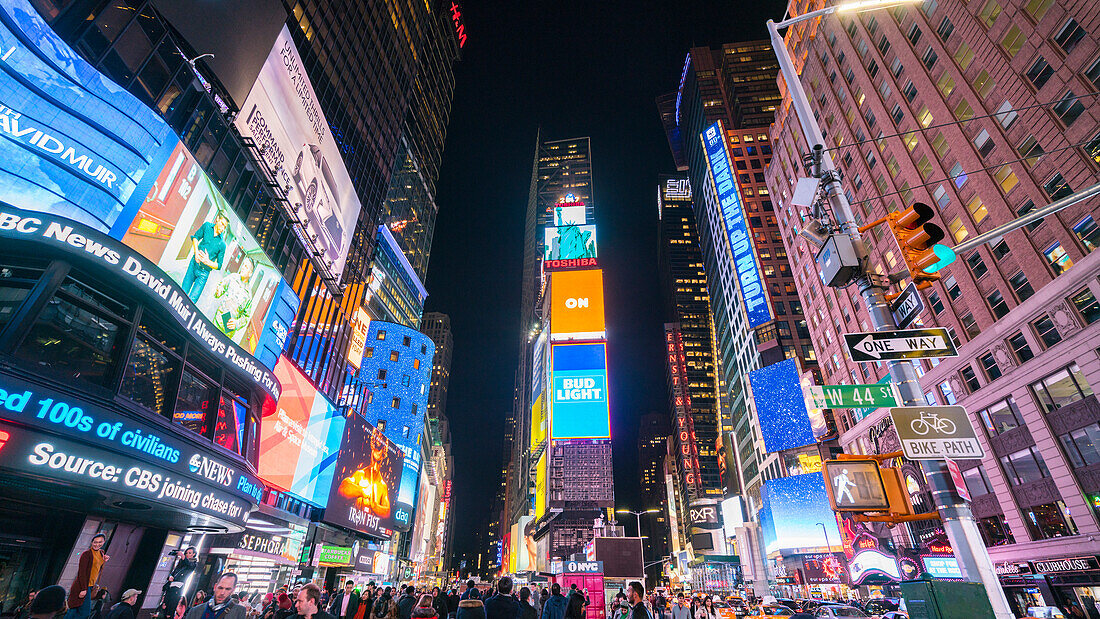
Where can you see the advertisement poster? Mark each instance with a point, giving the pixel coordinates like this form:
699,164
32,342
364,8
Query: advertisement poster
570,216
367,476
300,438
579,406
577,305
195,237
566,242
284,118
781,406
72,142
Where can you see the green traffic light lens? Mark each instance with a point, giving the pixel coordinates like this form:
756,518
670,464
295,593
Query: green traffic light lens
946,256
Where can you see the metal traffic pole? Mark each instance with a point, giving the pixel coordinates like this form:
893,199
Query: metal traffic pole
958,521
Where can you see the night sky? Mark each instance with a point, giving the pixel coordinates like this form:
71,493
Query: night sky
569,68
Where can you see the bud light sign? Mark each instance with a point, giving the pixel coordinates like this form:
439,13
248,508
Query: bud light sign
579,407
753,292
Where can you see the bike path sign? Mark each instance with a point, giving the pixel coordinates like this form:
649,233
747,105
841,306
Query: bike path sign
936,433
902,344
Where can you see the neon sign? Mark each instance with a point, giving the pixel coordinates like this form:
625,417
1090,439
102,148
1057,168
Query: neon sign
460,28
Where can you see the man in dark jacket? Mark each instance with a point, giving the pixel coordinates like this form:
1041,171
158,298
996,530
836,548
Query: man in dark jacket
636,594
221,604
345,603
526,609
308,603
554,607
406,602
452,602
469,588
502,605
125,607
574,607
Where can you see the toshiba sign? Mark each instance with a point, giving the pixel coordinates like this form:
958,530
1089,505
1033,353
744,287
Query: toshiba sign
576,311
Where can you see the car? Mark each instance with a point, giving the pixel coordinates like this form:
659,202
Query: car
317,187
878,607
895,614
725,611
1045,612
830,611
770,612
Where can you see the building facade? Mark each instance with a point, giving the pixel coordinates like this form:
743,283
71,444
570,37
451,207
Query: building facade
984,111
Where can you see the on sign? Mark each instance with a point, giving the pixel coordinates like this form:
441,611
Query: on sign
855,486
576,305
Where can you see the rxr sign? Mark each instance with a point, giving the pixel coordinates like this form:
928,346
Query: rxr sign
707,514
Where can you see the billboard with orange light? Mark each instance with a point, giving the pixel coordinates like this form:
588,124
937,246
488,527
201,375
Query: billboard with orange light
576,305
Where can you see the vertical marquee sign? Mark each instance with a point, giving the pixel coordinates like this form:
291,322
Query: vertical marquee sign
686,448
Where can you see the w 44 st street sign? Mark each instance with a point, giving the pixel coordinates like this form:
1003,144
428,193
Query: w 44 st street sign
853,396
900,344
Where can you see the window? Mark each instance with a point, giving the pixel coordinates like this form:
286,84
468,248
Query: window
1019,346
1001,417
381,373
924,167
970,378
1087,233
913,35
394,355
978,211
989,366
945,29
1006,114
1038,8
1021,286
1057,187
963,111
897,114
983,143
1082,446
1086,305
416,364
1006,178
941,196
1024,466
1092,74
1058,258
1000,248
970,326
1069,108
910,91
407,340
946,84
381,334
957,174
929,58
995,531
984,84
1049,520
977,265
368,352
1039,72
964,56
1026,208
1030,151
952,287
977,482
957,229
910,140
989,13
947,393
396,402
934,301
1048,335
1063,387
1069,36
1092,147
1013,40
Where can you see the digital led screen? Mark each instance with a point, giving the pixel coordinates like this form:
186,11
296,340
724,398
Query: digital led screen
781,406
188,228
942,567
569,242
570,215
538,422
283,116
792,508
753,292
577,305
300,438
72,142
527,550
579,407
366,480
824,568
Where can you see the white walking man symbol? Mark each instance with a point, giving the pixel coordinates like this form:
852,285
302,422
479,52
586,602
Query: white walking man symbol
842,484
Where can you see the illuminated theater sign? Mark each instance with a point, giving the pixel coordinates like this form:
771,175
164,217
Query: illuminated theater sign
749,280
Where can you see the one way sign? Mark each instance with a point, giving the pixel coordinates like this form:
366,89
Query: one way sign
906,344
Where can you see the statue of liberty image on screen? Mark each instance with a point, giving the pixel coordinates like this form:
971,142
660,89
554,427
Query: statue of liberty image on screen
568,242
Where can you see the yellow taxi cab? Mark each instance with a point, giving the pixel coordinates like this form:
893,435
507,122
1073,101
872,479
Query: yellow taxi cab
725,611
771,612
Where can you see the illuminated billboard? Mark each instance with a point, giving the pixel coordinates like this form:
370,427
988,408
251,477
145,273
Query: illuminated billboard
72,142
781,406
577,305
540,485
192,233
538,422
300,438
743,251
366,481
791,509
570,215
527,552
568,242
359,327
284,118
579,406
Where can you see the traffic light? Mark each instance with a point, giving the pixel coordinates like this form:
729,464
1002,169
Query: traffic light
859,484
919,240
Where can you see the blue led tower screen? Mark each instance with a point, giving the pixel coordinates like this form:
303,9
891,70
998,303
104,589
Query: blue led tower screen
749,279
781,407
72,142
579,407
791,509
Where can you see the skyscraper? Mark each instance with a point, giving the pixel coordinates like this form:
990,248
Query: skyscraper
985,111
653,434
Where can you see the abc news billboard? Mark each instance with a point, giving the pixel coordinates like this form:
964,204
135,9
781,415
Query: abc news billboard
284,118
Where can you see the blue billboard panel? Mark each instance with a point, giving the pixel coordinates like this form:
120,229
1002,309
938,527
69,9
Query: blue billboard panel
781,406
793,510
72,142
749,280
579,407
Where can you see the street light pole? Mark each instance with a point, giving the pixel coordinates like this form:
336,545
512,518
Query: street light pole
637,517
958,521
828,547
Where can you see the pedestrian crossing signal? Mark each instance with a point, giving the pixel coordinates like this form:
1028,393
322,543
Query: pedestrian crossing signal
855,486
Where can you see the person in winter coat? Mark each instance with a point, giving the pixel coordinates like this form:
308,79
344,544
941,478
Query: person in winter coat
47,603
173,589
308,603
346,603
84,586
470,588
125,607
439,603
406,602
470,608
221,604
636,596
502,605
706,610
452,603
554,607
101,605
526,610
425,608
383,605
574,608
680,608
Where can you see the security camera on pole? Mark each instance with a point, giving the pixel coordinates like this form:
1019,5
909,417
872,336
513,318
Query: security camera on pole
844,260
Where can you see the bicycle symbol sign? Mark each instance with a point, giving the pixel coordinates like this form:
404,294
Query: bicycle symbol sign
936,433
